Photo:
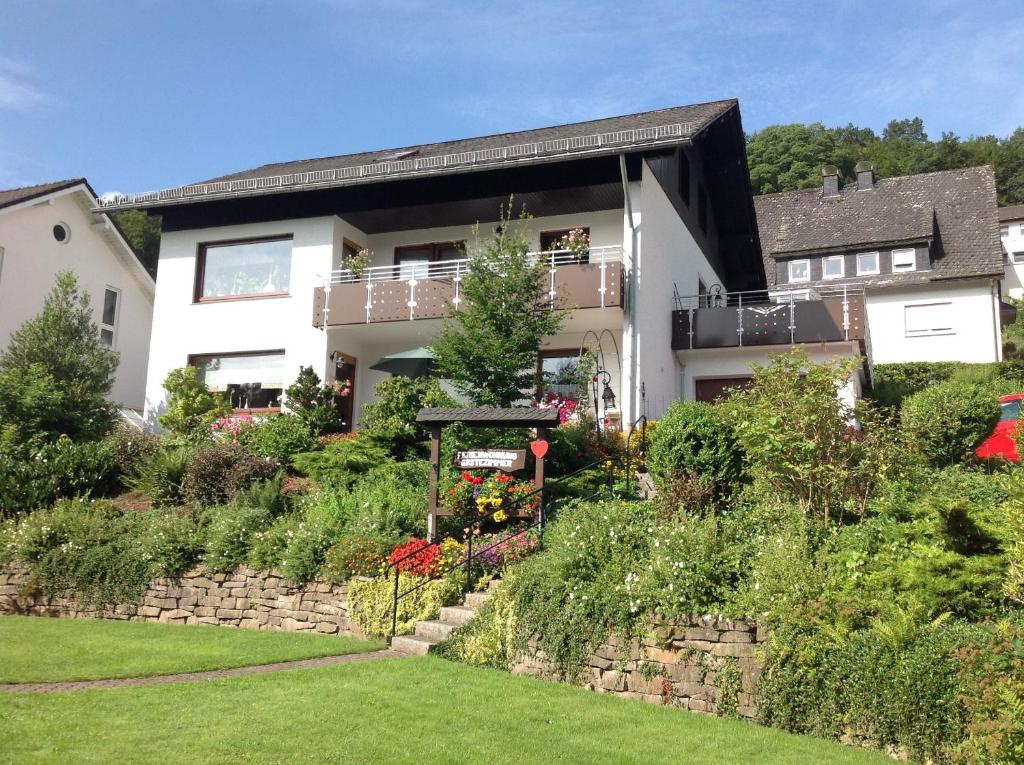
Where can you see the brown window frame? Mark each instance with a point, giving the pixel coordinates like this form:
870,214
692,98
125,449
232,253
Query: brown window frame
190,361
548,353
435,249
197,289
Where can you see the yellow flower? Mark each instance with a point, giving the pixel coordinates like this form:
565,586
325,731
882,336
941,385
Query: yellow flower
500,516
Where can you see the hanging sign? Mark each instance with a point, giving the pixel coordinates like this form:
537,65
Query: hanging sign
498,459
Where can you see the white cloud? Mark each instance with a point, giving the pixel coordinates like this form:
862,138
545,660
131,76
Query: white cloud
16,92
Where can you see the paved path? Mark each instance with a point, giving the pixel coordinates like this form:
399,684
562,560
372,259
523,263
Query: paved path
216,674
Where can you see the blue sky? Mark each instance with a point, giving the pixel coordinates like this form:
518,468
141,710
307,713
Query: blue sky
138,95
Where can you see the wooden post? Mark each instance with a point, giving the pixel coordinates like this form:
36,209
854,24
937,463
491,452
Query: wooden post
435,475
538,471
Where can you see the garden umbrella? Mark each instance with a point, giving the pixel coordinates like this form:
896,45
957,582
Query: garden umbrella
419,362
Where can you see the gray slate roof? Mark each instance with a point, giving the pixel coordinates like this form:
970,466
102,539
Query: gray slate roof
610,135
955,207
10,197
1013,212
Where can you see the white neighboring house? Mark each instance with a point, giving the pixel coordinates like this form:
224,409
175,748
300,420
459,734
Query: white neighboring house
1011,233
51,227
253,283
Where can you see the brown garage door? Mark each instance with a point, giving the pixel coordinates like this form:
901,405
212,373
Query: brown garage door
709,390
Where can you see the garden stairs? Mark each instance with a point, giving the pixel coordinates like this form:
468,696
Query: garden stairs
432,632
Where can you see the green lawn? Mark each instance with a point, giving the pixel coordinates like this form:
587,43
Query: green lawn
403,710
38,649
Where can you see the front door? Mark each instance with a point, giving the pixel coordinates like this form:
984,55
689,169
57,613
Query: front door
345,373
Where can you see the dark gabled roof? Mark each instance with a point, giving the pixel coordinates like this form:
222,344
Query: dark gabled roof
956,208
675,125
1013,212
490,416
10,197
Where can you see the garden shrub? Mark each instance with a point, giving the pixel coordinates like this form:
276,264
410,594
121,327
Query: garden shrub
160,477
339,463
215,473
945,422
355,555
63,468
278,437
313,402
490,638
132,450
231,528
892,383
694,438
268,544
417,557
391,418
191,407
370,602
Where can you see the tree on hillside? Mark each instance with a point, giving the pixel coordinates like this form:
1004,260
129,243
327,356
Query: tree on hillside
488,347
55,373
143,233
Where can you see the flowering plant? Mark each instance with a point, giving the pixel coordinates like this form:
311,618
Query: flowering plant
566,405
341,388
492,495
231,427
424,557
504,548
577,242
355,555
358,263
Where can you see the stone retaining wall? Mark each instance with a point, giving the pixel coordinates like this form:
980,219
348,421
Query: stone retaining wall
705,665
243,598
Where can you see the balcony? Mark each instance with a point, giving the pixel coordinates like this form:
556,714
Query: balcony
741,319
425,291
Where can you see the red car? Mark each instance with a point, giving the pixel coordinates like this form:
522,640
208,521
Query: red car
1000,445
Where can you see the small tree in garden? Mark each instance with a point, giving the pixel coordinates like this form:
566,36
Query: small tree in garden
56,372
391,418
945,422
313,402
191,407
488,348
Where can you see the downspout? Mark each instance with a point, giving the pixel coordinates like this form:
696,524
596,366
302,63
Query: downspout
998,323
631,299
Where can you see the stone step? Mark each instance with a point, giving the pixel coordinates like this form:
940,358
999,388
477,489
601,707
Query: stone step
457,615
434,630
415,645
476,599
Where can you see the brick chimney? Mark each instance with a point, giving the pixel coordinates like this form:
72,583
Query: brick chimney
865,175
830,181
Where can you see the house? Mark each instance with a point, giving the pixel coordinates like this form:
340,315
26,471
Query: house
51,227
922,249
253,282
1011,233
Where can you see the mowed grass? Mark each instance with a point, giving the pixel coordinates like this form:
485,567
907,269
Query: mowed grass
39,649
399,710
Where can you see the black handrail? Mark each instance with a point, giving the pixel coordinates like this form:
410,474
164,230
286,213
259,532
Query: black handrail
609,462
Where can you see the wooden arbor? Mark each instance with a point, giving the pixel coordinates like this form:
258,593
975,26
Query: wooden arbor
482,417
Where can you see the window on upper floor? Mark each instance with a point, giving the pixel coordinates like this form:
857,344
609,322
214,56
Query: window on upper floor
414,260
833,267
929,319
904,260
252,380
559,240
684,177
799,271
702,207
1004,231
867,263
244,268
108,319
1015,257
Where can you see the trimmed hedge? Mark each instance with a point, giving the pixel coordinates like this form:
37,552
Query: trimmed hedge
693,438
945,422
895,382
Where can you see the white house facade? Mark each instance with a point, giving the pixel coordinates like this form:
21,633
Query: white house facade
1011,234
53,227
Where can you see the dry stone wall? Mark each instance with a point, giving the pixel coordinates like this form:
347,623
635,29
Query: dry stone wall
243,598
706,665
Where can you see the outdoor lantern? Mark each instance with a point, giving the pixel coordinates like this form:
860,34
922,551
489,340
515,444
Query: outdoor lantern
608,397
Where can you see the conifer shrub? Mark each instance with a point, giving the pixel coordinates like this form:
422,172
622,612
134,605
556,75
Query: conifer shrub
944,423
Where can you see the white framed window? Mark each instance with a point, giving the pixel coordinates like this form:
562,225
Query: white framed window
833,267
111,312
926,319
1017,258
904,260
867,263
1004,231
799,270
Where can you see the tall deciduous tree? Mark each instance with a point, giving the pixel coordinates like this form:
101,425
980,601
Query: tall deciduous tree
55,373
488,347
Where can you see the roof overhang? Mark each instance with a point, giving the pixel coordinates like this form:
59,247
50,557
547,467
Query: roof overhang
868,246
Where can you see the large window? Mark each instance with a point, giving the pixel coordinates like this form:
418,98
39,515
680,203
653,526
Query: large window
929,319
250,380
559,373
108,320
799,270
414,260
251,268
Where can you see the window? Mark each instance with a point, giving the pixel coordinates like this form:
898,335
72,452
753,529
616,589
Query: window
1004,231
867,263
684,177
702,208
1016,257
553,240
108,321
1020,228
249,380
799,270
832,267
558,373
929,319
62,233
250,268
414,260
904,260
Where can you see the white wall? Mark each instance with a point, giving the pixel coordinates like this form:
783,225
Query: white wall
667,255
975,335
32,258
182,327
1013,241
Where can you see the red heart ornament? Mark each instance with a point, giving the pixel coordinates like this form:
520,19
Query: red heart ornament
539,448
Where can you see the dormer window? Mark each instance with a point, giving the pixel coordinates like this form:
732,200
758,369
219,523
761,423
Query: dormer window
832,267
867,263
799,271
904,260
